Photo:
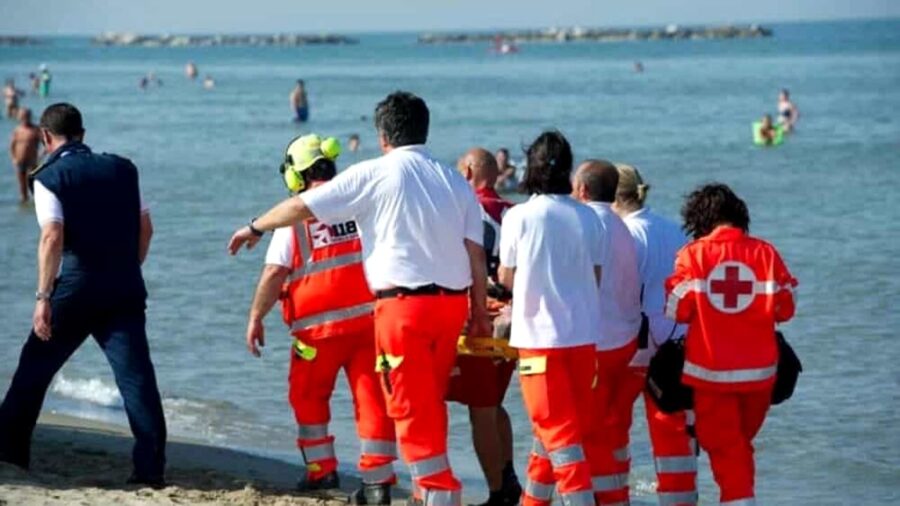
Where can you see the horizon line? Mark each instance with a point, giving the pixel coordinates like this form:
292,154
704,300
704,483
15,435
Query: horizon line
462,30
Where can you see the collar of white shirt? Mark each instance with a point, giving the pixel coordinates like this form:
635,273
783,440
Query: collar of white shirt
635,214
419,148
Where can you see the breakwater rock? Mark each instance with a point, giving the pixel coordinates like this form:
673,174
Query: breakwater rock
18,40
671,32
289,40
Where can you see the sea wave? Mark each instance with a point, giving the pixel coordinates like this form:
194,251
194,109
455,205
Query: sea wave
93,390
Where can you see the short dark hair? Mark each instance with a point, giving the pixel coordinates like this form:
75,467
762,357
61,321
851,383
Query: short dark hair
711,205
600,178
402,118
62,120
549,165
322,169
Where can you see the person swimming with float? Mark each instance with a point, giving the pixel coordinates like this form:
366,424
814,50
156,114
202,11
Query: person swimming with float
766,133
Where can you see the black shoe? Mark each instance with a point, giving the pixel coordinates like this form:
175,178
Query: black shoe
371,493
154,482
16,461
412,501
329,481
512,491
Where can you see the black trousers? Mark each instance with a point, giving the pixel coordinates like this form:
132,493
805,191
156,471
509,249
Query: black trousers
122,337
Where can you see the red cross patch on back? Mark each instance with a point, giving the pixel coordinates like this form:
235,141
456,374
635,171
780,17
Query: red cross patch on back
731,287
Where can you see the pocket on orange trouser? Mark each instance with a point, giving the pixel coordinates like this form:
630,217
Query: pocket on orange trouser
535,386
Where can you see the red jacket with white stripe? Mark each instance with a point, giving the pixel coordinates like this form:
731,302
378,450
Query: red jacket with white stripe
731,289
326,294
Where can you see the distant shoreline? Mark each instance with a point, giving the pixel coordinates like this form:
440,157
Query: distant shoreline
576,34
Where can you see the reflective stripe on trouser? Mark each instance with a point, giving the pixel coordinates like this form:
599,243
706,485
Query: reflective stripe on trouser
582,498
441,497
559,454
749,501
727,422
674,455
420,336
677,498
618,386
316,452
312,381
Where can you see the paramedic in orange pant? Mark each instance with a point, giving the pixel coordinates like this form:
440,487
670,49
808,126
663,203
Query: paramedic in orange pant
421,233
316,270
657,241
731,289
620,320
549,258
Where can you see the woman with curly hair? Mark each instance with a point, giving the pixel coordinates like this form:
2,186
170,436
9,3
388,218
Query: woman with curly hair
731,290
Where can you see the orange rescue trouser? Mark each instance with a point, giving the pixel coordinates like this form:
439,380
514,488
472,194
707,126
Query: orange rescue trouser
727,422
416,340
618,387
555,385
312,377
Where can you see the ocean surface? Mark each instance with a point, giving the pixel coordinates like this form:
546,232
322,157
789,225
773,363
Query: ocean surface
828,198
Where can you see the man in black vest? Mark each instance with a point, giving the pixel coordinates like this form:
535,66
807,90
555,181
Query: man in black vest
94,225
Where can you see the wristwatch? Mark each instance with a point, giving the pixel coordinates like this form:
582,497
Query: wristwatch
253,230
39,295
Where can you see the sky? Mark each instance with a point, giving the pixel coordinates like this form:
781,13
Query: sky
77,17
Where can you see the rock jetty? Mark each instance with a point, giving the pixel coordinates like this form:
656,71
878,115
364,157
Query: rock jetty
18,40
671,32
290,40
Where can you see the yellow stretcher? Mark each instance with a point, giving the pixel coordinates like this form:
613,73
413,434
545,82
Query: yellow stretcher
486,347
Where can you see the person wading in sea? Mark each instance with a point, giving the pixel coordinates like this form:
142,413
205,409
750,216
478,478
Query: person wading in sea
421,231
731,289
23,150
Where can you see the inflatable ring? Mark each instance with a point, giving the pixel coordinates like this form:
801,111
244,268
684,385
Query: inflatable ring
758,138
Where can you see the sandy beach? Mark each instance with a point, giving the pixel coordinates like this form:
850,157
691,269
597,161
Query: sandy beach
76,461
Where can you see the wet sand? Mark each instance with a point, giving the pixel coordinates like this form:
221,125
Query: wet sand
81,462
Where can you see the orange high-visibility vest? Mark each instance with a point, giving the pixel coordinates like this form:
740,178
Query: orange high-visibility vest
326,294
730,289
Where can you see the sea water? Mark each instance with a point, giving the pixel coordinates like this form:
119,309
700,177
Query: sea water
827,199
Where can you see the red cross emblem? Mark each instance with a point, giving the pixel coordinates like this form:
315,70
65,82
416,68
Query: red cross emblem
731,287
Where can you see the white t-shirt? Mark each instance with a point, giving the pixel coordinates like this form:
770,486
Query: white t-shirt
48,208
554,243
413,215
657,241
620,285
279,252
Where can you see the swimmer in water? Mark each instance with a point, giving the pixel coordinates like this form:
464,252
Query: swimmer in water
507,180
11,98
208,82
353,143
638,67
767,130
23,150
299,102
787,111
190,70
45,79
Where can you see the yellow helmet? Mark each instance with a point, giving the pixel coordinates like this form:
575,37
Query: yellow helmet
301,154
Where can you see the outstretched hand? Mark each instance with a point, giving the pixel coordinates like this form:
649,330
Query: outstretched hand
241,237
